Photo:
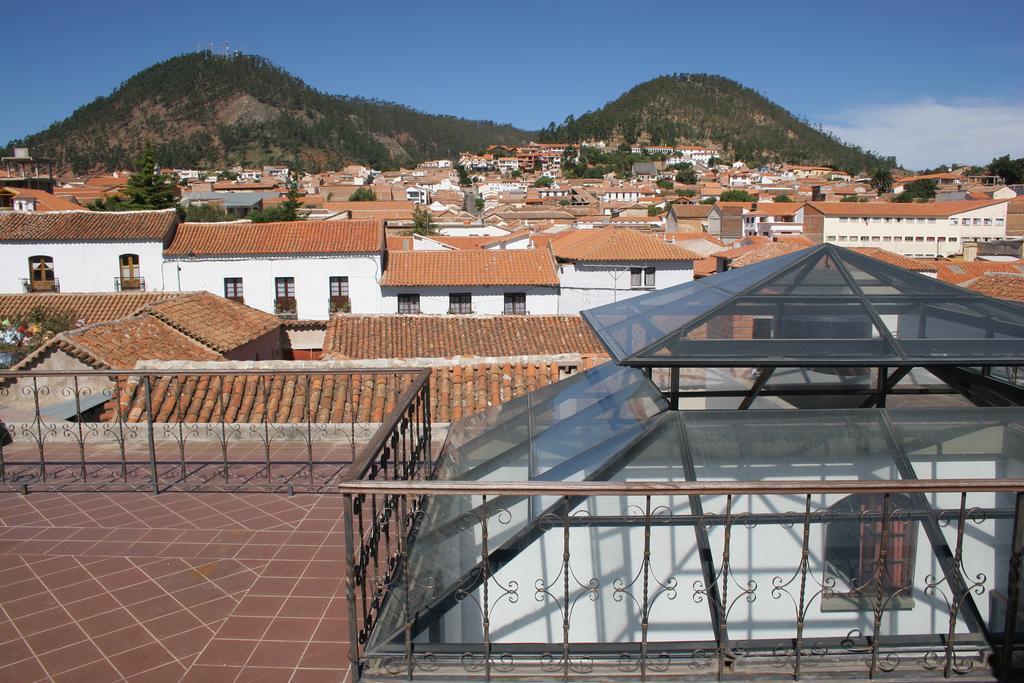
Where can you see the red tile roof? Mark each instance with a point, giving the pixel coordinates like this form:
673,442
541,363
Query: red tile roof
616,245
217,322
87,225
749,255
440,336
516,267
895,259
457,390
120,344
45,201
293,237
1008,286
89,308
961,271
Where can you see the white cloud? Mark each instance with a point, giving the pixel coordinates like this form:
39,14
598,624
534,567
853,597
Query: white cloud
926,133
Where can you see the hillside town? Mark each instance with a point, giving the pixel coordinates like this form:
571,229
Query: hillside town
201,360
513,230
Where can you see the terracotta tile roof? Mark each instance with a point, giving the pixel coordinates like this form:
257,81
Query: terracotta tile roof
776,209
90,308
759,252
457,390
440,336
87,225
687,236
122,343
221,324
1007,286
928,210
897,259
528,267
293,237
961,271
45,201
617,245
705,266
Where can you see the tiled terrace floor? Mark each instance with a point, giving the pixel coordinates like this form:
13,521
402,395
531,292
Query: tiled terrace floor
194,587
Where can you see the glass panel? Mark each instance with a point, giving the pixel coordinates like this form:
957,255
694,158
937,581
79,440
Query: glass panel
817,276
970,328
798,330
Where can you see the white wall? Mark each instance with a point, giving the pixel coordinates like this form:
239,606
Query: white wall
80,266
877,229
588,285
311,273
486,300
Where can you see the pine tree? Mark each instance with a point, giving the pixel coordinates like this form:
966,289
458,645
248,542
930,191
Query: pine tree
291,203
147,189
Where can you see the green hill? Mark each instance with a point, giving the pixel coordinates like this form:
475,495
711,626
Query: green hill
212,110
708,109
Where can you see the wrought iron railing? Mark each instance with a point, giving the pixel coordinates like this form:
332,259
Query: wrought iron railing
201,430
128,284
675,580
29,285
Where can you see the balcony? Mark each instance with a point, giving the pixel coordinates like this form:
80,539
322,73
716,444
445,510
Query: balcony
284,429
286,307
339,304
40,285
129,284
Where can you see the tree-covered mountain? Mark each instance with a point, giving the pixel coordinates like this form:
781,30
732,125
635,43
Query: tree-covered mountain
708,109
207,110
202,109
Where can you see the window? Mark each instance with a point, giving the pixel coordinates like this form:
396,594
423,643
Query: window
284,295
763,328
988,221
460,303
515,303
897,238
852,548
130,274
843,219
977,221
919,238
931,220
339,301
1000,221
40,274
641,278
233,289
409,303
953,221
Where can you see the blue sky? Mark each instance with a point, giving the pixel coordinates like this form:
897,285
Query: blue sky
929,82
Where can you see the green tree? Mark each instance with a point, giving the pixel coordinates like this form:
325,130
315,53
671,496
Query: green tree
736,196
147,189
687,192
784,198
714,161
1010,170
918,190
206,213
685,174
664,184
480,204
363,194
227,175
423,222
517,173
850,198
291,203
881,180
544,181
464,179
708,200
655,210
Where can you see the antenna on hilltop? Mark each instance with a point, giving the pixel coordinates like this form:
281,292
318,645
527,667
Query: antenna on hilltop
227,48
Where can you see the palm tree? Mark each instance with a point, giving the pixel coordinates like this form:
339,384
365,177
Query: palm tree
881,180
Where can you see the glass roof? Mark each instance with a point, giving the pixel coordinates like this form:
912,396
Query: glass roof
611,424
823,306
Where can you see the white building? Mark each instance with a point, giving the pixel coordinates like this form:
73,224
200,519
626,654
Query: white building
600,266
513,281
303,269
771,219
84,251
930,230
